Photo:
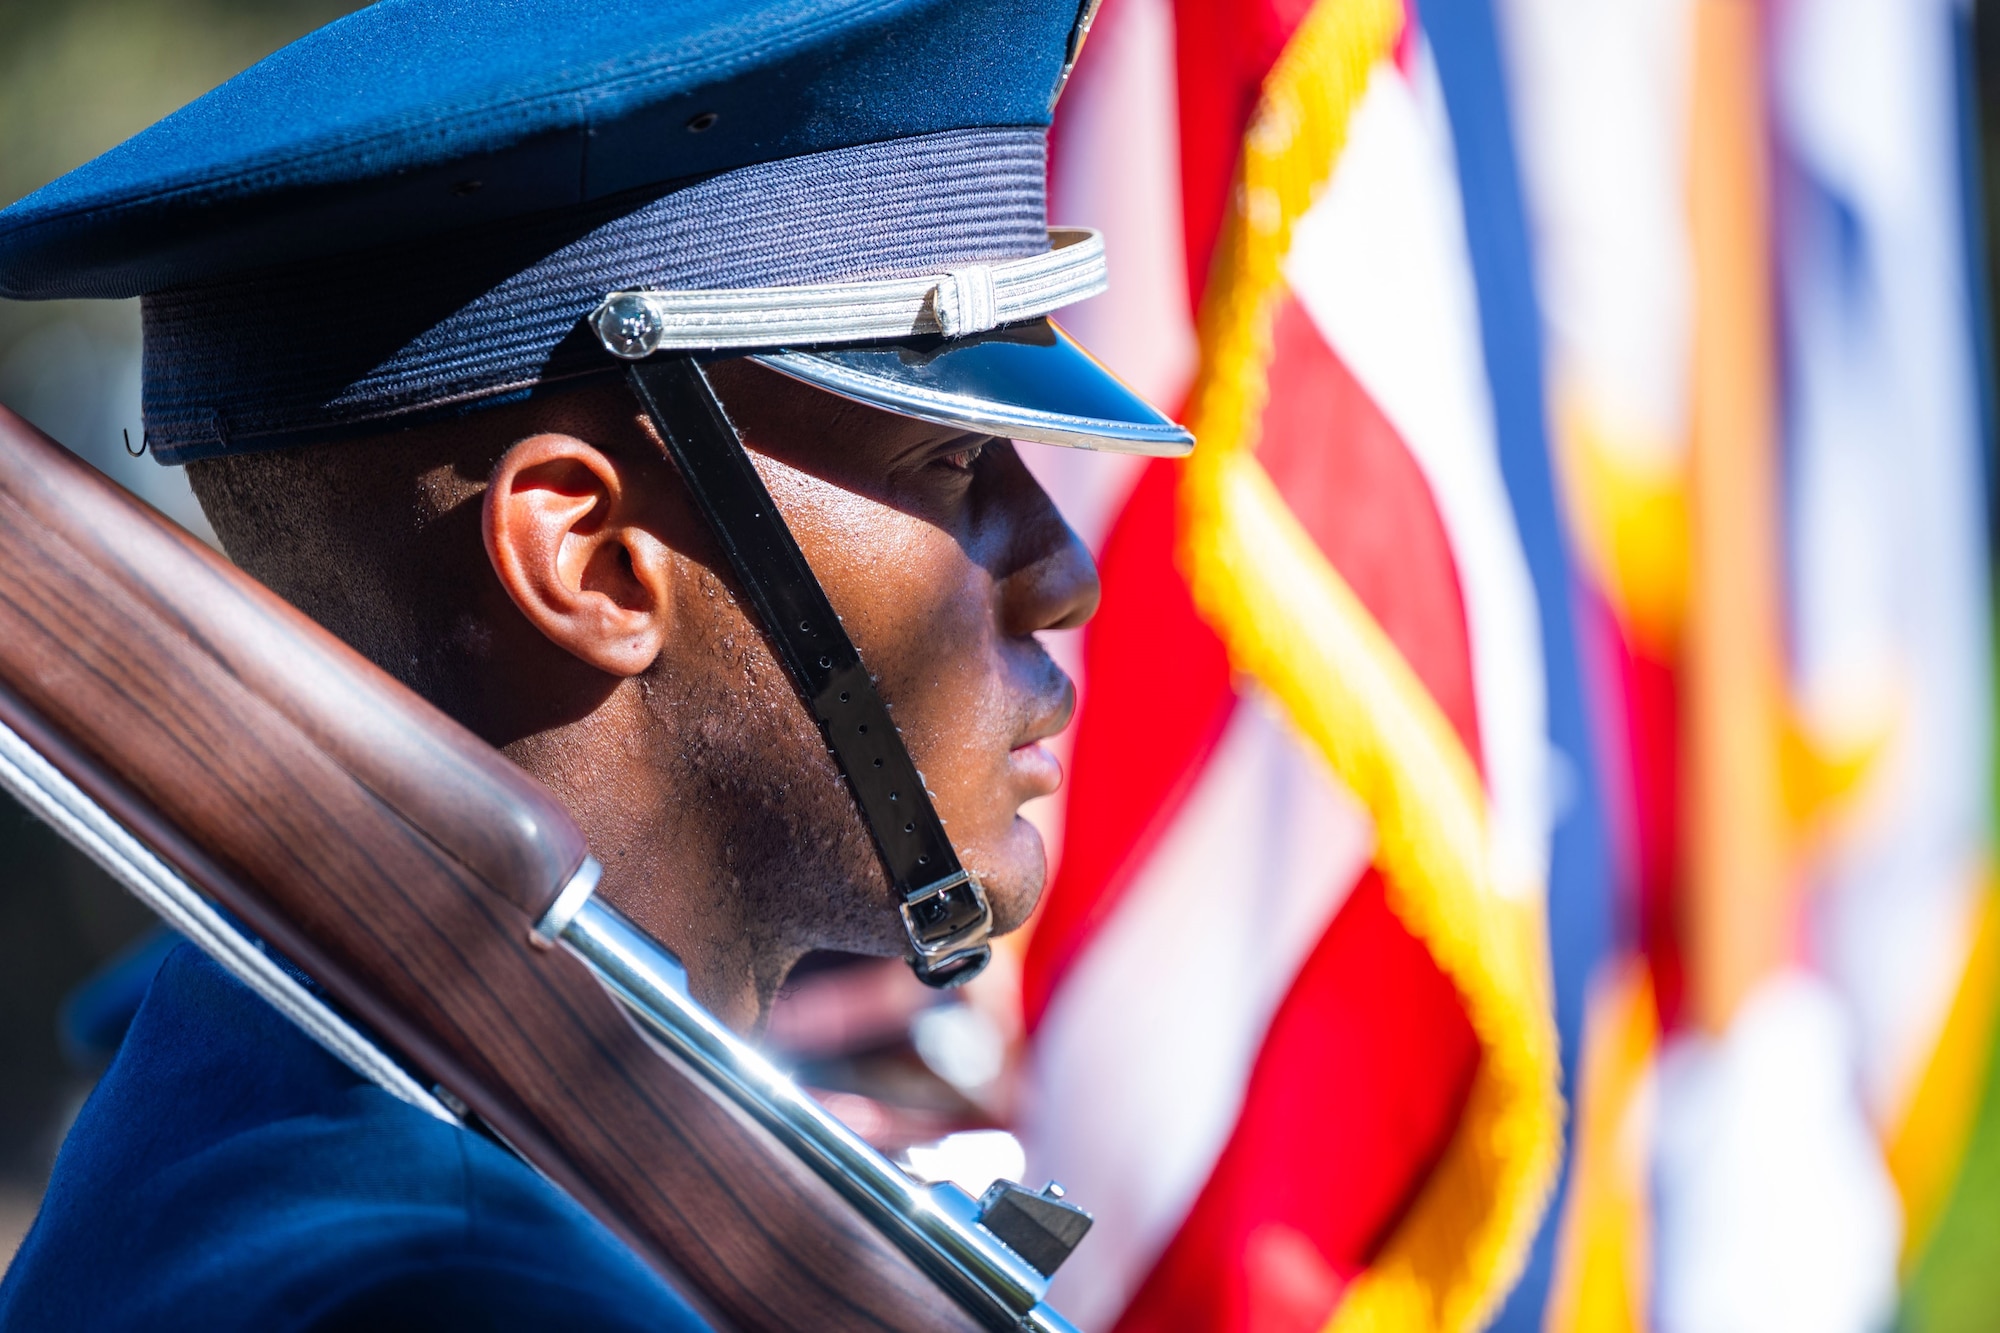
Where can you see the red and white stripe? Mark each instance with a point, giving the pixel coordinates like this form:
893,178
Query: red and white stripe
1240,1058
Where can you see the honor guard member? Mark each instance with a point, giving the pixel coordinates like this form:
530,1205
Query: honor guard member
640,382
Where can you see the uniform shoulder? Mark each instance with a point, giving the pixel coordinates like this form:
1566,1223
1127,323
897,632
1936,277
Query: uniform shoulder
227,1173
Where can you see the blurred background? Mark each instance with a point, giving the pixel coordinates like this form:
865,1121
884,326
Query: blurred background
76,79
1617,383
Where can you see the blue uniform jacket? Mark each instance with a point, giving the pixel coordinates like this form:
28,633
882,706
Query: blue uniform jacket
229,1174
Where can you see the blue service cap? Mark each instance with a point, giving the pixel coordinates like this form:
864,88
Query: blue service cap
436,204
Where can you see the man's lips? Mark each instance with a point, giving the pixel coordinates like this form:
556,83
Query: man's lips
1036,768
1033,763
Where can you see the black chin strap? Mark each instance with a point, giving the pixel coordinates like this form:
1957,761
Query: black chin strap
944,906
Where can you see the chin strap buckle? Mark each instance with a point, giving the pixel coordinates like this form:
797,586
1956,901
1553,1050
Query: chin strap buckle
949,922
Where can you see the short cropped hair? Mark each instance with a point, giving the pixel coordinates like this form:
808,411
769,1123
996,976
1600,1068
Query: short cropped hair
375,538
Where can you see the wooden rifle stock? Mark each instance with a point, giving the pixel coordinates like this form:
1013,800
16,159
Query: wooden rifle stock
401,861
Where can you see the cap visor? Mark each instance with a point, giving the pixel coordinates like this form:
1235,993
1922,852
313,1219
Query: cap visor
1028,381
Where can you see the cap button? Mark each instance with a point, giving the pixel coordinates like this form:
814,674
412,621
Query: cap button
628,327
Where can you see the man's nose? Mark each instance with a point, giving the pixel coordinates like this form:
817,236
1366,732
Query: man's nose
1053,581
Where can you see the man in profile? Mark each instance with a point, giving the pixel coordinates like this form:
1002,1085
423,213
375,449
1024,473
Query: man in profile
555,356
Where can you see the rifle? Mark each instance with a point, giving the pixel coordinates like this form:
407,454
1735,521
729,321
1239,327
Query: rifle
212,747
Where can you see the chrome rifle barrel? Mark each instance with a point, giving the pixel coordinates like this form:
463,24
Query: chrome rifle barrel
938,1226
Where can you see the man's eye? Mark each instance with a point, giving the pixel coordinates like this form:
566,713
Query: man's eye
961,460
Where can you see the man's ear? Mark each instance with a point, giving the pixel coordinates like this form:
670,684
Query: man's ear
562,528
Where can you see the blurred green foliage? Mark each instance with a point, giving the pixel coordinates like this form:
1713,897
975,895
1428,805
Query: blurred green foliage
1954,1286
79,76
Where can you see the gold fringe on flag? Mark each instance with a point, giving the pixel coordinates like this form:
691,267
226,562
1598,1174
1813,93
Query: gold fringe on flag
1290,621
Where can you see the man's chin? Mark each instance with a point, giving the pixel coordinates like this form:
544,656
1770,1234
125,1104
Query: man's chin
1013,874
1015,881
